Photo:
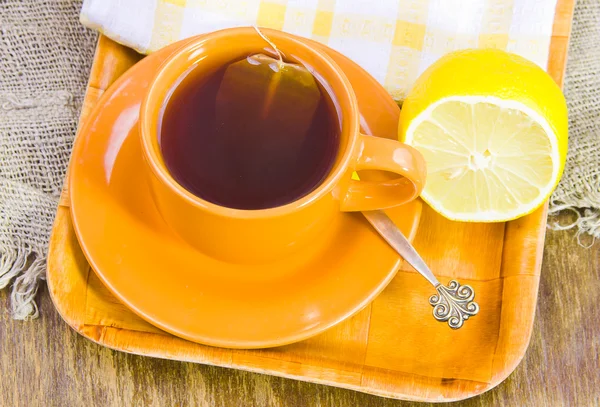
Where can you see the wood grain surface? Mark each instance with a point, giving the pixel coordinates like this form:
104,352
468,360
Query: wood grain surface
45,363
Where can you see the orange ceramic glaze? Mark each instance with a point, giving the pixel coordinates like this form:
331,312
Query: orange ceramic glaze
253,236
131,245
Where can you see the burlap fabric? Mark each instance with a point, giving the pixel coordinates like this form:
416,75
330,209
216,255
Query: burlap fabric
579,189
45,57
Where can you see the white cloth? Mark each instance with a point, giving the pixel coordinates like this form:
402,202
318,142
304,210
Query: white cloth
394,40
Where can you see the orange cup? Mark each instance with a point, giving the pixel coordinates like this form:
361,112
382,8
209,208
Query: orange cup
251,236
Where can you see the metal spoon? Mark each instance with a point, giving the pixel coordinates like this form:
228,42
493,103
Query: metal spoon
453,304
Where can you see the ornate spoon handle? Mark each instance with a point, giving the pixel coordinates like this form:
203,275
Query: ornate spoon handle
453,304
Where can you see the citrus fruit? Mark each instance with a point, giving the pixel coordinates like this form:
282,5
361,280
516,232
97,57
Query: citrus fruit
492,127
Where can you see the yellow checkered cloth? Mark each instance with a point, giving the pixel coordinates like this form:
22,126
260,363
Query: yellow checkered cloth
394,40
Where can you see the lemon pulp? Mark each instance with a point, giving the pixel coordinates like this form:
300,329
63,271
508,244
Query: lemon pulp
487,158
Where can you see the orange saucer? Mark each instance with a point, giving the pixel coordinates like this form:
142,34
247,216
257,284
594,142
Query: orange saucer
189,294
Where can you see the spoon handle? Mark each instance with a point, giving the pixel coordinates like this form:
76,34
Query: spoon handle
390,232
453,304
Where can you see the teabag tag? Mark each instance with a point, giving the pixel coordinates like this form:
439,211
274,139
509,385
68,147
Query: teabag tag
258,95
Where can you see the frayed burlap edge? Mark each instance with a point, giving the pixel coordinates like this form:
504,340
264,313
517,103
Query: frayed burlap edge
586,210
17,265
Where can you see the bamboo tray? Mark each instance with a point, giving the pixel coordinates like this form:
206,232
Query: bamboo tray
388,348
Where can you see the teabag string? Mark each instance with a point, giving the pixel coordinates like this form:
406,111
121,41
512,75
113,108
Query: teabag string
258,95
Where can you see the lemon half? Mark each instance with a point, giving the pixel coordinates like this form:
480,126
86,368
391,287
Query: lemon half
493,129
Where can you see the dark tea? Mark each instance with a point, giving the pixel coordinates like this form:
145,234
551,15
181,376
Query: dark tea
232,140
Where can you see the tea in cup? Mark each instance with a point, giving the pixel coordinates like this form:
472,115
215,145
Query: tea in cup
247,175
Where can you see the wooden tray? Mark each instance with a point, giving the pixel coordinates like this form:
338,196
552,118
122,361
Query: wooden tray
392,348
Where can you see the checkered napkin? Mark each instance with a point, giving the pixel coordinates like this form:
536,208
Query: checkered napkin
394,40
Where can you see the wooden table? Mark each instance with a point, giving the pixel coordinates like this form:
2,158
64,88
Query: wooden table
45,363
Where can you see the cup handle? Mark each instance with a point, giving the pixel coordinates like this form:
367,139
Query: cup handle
385,155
